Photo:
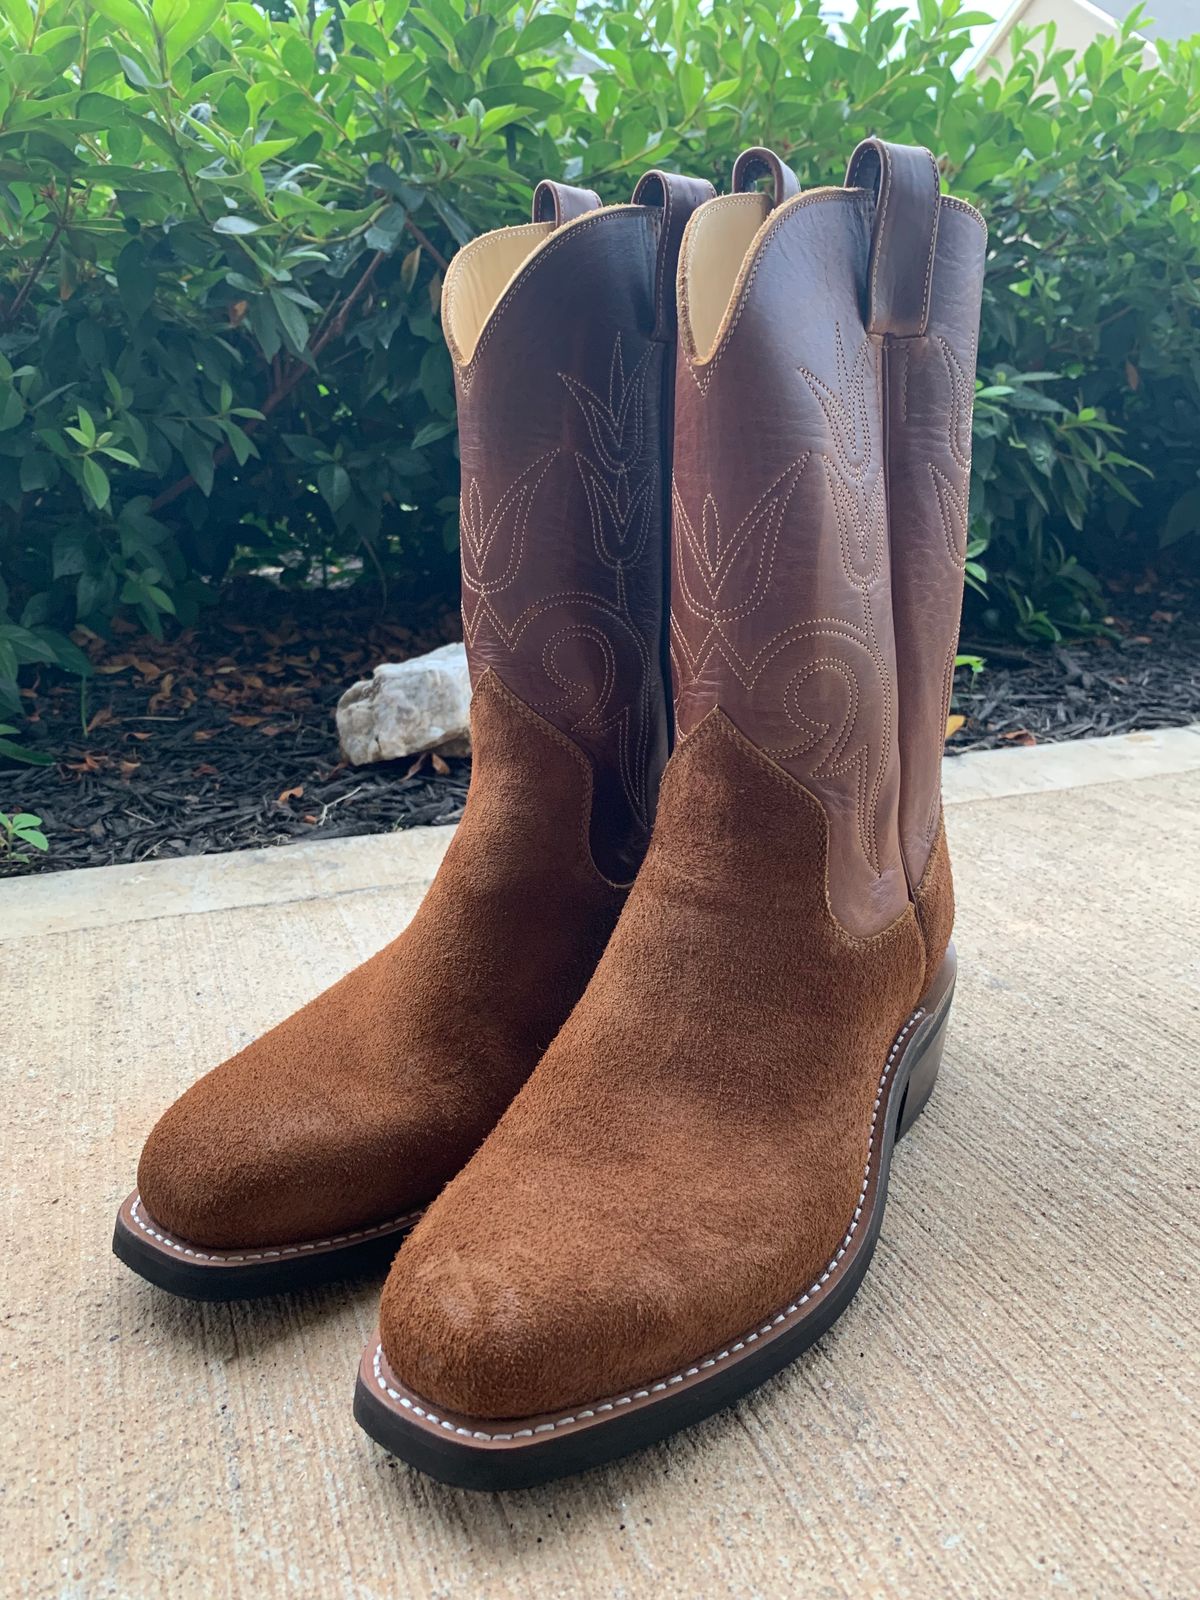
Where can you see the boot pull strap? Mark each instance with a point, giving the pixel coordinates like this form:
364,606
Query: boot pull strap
759,162
678,197
907,186
562,202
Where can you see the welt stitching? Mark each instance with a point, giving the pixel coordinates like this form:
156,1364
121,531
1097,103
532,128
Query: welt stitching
226,1256
696,1368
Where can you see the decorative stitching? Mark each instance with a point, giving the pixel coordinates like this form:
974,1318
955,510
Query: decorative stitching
704,558
734,1348
935,803
233,1258
702,371
457,266
618,480
466,372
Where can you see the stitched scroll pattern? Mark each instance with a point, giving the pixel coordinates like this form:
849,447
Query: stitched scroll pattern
951,477
815,693
577,653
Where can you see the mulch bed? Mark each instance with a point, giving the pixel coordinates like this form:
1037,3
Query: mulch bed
1147,676
223,738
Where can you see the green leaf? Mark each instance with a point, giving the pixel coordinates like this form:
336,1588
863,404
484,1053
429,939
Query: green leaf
20,752
195,21
334,484
292,320
12,408
135,280
539,32
235,224
198,454
1183,519
430,432
126,15
96,483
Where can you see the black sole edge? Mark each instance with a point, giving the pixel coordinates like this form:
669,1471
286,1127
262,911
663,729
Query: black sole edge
473,1465
258,1280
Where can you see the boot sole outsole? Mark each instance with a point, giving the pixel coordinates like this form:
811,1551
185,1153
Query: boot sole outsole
195,1272
477,1453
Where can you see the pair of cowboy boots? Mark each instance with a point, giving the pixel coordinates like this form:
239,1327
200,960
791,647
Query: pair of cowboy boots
644,1053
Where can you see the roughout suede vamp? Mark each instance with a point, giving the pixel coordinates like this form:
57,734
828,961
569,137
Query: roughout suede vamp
707,1103
362,1104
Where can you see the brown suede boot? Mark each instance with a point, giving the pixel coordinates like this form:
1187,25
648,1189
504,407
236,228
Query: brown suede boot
319,1144
687,1191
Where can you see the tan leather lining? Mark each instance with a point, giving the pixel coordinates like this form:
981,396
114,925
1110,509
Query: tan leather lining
714,248
477,278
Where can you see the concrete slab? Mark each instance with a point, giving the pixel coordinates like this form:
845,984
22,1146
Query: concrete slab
107,897
1009,1409
1074,764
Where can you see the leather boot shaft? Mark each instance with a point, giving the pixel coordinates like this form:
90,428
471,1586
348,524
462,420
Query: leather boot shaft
563,362
928,317
794,607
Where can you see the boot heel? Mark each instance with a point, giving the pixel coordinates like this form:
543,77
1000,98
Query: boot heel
923,1075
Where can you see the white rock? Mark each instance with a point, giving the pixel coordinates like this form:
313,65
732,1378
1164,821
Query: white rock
408,706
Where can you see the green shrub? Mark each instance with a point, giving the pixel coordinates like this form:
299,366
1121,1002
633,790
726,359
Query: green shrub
223,233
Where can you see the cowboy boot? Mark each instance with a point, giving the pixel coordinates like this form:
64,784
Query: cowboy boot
316,1147
687,1191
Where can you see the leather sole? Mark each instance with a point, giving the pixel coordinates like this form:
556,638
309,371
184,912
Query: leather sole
478,1453
197,1273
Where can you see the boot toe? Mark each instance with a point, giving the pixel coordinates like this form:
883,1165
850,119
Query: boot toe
207,1180
470,1335
237,1161
517,1296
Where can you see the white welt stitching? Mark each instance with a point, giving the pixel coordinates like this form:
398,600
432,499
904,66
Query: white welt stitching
712,1361
225,1257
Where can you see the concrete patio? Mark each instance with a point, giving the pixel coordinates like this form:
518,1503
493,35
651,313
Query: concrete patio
1009,1409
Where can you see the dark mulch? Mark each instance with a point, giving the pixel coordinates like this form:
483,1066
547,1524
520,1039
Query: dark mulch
223,738
1147,676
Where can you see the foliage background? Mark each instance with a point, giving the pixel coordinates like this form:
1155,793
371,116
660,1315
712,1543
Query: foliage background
223,230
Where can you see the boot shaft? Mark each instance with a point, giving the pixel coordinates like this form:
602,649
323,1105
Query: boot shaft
929,388
794,607
561,334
